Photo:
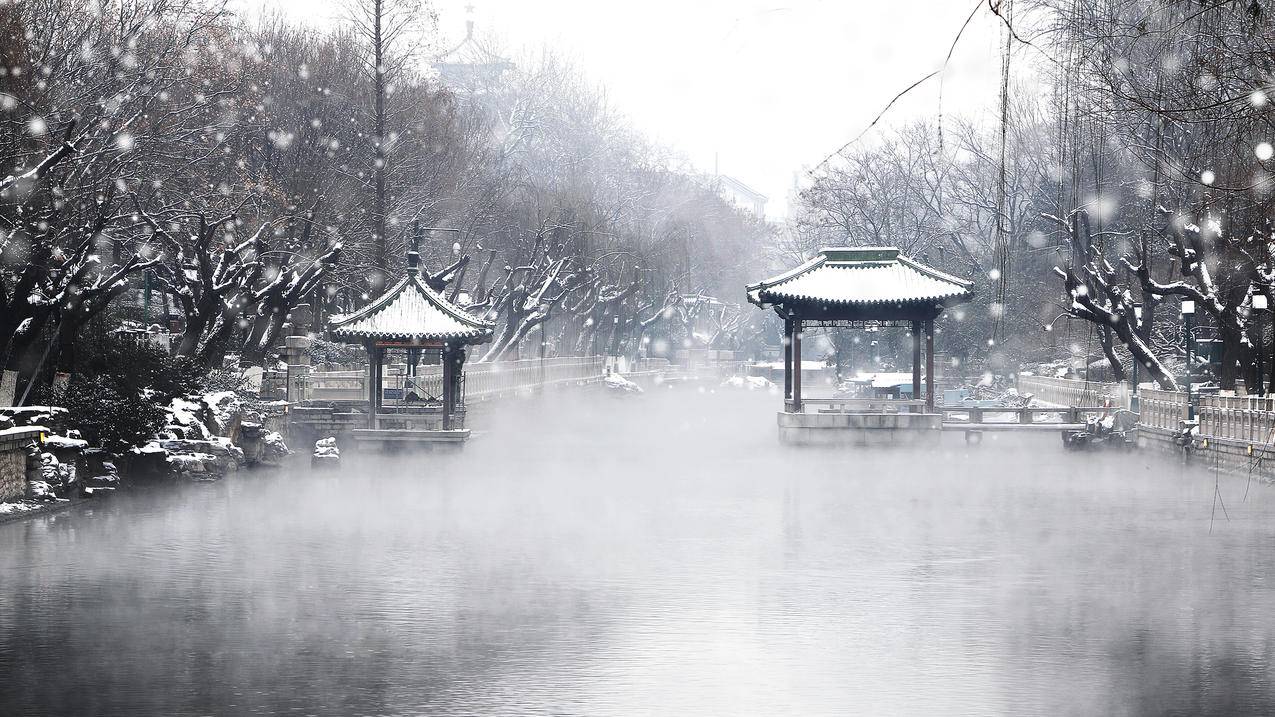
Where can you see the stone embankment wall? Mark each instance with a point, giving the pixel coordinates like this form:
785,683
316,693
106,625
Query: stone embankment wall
14,468
1243,458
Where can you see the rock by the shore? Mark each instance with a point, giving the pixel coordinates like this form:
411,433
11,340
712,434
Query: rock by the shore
261,446
326,453
175,457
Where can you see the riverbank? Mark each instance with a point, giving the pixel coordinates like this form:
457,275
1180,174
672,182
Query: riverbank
45,465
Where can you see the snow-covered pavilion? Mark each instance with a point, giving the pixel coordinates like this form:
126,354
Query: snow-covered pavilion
858,286
429,329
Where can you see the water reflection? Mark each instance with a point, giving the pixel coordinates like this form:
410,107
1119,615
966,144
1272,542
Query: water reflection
660,555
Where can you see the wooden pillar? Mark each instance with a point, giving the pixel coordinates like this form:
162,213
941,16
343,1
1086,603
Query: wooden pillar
787,359
796,366
458,381
448,387
929,366
371,385
916,360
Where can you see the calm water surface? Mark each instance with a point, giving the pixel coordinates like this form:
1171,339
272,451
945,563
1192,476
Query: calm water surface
659,555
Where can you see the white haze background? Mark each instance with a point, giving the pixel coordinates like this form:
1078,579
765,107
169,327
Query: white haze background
763,89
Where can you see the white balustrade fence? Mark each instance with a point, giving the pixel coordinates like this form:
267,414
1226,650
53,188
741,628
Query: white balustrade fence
1072,392
1242,418
1161,409
1249,419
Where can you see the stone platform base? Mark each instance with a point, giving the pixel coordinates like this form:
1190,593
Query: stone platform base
369,439
859,429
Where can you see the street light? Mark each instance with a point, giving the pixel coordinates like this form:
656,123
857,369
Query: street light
1260,303
1188,314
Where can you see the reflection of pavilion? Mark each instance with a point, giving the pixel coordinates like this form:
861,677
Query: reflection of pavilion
857,286
413,323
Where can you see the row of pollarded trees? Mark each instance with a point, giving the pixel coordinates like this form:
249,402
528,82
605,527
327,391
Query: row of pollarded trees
114,121
1142,177
249,168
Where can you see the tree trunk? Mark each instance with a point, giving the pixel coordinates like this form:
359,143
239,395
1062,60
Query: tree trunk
380,260
1109,350
1233,353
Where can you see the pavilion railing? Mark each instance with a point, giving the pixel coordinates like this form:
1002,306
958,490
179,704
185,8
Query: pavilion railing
481,380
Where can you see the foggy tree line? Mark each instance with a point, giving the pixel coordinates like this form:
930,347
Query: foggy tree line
242,169
1136,171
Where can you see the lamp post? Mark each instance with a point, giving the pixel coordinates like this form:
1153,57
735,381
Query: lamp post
1260,302
1137,331
1188,314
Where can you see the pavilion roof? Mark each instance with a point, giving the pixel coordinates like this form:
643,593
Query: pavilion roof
862,277
411,311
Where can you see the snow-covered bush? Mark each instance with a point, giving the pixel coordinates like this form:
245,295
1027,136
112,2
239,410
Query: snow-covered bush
323,351
107,413
120,388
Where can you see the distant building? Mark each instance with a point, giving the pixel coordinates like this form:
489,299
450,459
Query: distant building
741,195
471,65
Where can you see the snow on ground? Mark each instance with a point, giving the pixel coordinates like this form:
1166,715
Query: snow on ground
19,507
752,383
884,379
805,365
616,382
65,443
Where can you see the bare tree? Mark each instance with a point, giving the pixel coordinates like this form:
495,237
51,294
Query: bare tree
391,32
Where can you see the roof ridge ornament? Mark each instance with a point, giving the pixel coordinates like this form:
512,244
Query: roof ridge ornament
860,253
414,251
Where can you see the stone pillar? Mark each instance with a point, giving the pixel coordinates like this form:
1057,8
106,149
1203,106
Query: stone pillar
15,471
8,387
296,353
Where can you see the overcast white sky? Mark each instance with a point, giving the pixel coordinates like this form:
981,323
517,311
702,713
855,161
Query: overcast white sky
768,87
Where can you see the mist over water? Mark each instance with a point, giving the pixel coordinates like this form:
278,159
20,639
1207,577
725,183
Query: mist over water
660,554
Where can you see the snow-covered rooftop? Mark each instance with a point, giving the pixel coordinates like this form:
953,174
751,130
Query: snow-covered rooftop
411,311
862,275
